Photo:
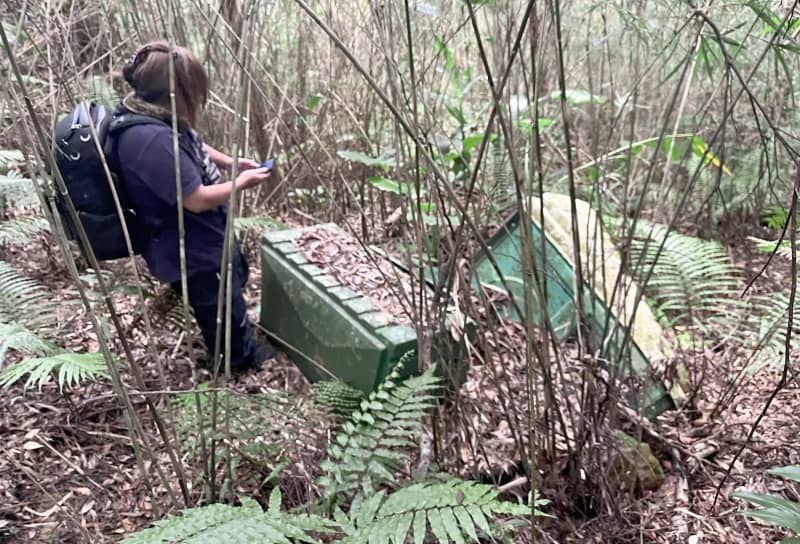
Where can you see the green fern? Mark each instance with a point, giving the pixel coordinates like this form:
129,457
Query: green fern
26,301
775,509
22,230
377,437
15,336
222,524
16,190
782,248
10,158
693,279
359,460
776,217
764,328
256,223
69,369
337,396
454,511
254,428
29,321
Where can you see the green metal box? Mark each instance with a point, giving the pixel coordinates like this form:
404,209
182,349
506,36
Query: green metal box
633,350
327,329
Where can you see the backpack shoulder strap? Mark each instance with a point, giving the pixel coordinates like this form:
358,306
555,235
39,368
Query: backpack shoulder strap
128,119
125,120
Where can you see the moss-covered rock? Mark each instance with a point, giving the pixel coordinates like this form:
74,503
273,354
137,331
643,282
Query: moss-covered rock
633,465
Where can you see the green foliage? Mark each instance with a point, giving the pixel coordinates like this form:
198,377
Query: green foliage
26,301
247,428
692,280
9,159
776,217
67,367
373,442
339,397
17,190
222,524
782,248
385,161
29,321
774,509
256,223
17,337
764,325
454,511
22,230
390,185
359,460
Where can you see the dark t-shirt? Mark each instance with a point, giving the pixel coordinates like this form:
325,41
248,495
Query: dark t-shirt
146,163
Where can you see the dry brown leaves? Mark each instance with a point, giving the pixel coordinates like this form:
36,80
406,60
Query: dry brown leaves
371,275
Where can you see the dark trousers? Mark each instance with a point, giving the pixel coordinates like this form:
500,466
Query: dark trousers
203,293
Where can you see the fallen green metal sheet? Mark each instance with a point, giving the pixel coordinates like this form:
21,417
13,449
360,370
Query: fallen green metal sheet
329,330
553,256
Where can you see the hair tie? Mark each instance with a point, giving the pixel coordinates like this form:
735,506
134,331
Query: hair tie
141,53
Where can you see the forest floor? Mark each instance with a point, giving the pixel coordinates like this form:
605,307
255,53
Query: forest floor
68,473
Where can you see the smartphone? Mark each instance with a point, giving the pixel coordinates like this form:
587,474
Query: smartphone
267,164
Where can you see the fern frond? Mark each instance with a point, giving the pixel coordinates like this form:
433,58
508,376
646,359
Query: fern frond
454,511
22,230
10,158
776,217
764,329
17,190
377,437
259,426
26,301
337,396
255,223
503,190
15,336
222,524
693,279
67,367
783,249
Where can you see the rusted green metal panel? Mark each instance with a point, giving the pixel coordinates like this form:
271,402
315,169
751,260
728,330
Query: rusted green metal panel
327,329
551,262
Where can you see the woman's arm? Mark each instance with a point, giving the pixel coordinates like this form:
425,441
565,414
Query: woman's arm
225,161
220,159
207,197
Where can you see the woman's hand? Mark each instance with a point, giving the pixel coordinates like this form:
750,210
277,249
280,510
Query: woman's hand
207,197
251,177
247,164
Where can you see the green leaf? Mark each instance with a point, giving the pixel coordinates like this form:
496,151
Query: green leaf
390,186
451,525
362,158
402,527
790,473
467,525
69,368
457,114
437,525
441,48
471,142
420,526
313,101
275,500
479,518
